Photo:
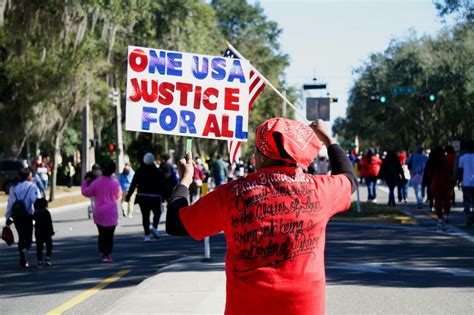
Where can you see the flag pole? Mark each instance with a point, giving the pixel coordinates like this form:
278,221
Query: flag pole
271,85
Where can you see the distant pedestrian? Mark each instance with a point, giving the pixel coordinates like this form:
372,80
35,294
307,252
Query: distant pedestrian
42,171
404,182
44,232
323,165
427,180
370,167
219,171
440,172
20,209
150,184
38,182
106,192
169,175
451,157
125,179
466,181
69,171
416,164
391,172
196,185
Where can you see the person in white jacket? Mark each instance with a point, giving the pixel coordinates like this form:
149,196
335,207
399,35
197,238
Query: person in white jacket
27,192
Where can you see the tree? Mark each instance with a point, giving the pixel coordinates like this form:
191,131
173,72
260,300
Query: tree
439,65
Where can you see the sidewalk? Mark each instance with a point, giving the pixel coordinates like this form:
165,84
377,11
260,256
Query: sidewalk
60,195
187,286
59,209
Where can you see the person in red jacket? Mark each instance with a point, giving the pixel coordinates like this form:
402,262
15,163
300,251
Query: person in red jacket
370,167
440,171
274,219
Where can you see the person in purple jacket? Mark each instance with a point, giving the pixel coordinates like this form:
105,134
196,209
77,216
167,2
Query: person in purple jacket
107,192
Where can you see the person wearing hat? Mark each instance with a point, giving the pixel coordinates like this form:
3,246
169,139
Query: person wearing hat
274,219
106,192
150,184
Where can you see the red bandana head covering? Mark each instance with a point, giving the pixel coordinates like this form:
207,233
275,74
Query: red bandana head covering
283,139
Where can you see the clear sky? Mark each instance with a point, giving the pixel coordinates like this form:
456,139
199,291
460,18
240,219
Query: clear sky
330,39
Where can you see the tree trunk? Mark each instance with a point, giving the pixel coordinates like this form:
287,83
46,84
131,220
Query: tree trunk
198,149
54,173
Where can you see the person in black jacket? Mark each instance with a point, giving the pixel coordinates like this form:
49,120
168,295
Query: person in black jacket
43,232
150,184
391,172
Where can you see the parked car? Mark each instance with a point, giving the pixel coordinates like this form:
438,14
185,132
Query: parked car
8,171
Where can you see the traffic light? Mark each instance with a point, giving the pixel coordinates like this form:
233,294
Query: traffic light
432,97
379,98
333,100
111,147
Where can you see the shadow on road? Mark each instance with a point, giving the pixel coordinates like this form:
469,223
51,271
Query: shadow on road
414,259
78,266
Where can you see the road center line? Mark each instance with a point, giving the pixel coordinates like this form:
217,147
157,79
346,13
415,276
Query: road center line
87,294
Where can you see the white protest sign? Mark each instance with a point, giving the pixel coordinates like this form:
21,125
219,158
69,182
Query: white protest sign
186,94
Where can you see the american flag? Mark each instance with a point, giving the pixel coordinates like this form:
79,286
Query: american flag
256,85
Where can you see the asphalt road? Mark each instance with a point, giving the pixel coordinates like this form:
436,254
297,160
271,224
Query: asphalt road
77,265
370,268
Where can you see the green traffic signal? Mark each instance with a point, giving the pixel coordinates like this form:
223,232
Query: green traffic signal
432,98
383,99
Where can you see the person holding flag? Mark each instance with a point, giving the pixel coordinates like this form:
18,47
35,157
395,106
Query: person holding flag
274,219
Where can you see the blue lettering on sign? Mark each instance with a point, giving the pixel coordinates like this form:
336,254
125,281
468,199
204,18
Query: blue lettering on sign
174,64
200,72
147,117
218,68
239,123
157,62
168,126
236,72
187,122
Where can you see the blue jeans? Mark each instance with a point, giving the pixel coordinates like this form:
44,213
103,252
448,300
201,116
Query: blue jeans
418,193
403,190
468,199
371,182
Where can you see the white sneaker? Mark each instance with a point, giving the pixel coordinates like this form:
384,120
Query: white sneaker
374,201
155,233
130,215
148,238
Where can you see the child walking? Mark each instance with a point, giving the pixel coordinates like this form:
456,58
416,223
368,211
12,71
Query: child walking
43,232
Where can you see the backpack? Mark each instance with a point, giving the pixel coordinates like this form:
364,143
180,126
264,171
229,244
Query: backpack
18,210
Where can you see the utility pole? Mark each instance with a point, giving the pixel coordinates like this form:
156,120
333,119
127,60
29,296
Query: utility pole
118,124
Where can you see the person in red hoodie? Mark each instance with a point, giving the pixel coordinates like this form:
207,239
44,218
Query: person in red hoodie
274,220
370,167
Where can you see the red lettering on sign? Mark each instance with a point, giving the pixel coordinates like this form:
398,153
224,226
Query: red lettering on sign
135,55
231,100
212,126
184,89
206,100
225,127
166,93
197,97
137,94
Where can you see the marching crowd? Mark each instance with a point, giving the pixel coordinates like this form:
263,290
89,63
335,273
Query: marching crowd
433,174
